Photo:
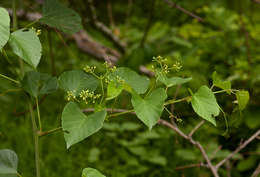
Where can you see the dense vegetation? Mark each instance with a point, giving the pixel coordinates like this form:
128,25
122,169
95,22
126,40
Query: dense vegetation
131,88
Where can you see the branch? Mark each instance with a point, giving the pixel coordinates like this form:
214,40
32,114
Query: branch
174,5
195,143
240,147
191,166
257,1
83,40
256,172
104,29
196,128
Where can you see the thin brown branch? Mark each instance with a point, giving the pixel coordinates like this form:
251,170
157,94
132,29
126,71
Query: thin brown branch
195,143
174,5
256,1
256,172
146,71
104,29
191,166
196,128
239,148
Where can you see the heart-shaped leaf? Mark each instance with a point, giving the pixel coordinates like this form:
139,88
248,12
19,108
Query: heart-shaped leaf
91,172
76,81
149,109
4,27
8,163
131,79
26,45
242,98
36,83
204,103
169,82
59,16
77,126
225,85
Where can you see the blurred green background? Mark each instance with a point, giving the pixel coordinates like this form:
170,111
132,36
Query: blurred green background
227,41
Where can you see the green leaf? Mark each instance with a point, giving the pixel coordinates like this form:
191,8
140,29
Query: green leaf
26,45
242,98
133,80
205,104
77,126
169,82
77,80
113,90
149,109
91,172
59,16
225,85
8,163
36,83
4,27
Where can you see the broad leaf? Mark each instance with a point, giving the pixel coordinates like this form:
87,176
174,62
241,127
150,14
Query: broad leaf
26,45
149,109
242,98
133,80
4,27
205,104
113,90
91,172
8,163
36,83
77,126
169,82
56,15
225,85
77,80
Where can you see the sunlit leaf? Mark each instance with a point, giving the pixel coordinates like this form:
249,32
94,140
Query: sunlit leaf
26,45
138,83
242,98
8,163
169,82
149,109
77,126
4,27
91,172
204,103
225,85
113,90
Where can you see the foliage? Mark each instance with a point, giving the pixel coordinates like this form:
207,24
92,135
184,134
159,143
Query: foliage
103,114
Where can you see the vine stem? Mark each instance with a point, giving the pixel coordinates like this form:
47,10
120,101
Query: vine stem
176,101
120,113
36,141
38,114
50,131
10,79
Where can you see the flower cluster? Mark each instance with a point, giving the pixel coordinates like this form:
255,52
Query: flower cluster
38,32
89,69
164,67
71,95
87,95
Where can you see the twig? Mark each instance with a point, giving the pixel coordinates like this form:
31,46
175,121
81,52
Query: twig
192,166
257,1
149,23
41,133
256,172
195,143
196,128
240,147
103,28
174,5
146,71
